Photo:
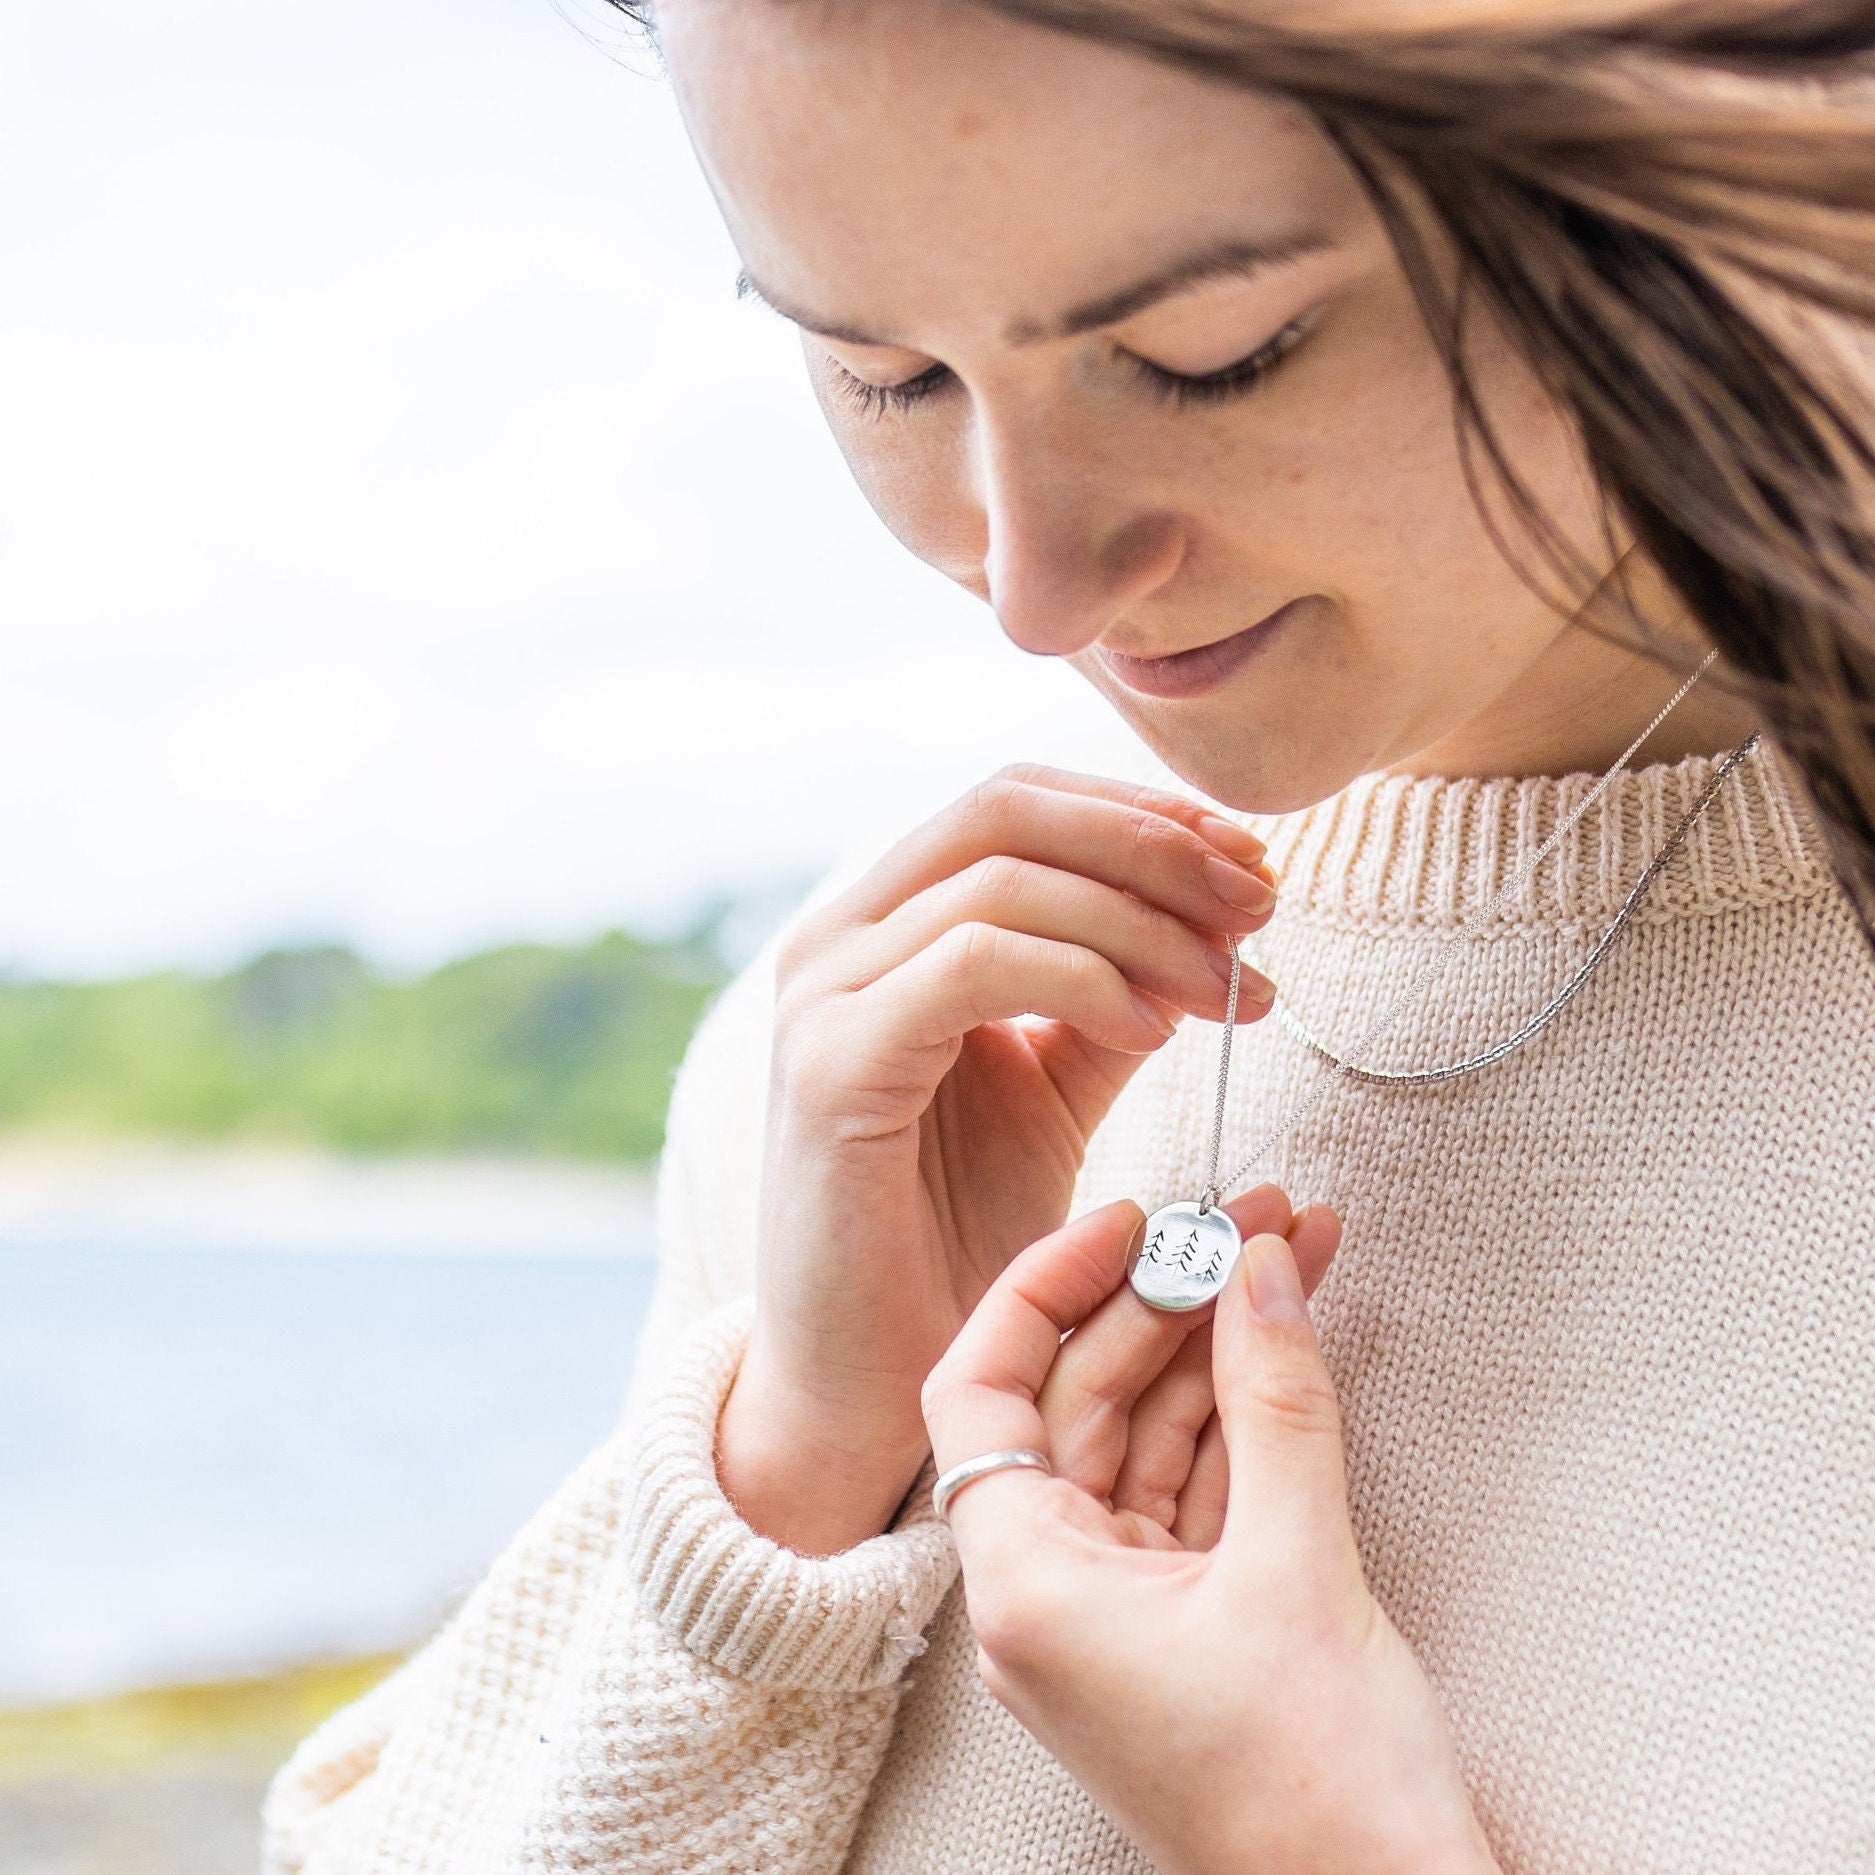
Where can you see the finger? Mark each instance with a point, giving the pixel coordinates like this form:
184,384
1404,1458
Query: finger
977,973
1118,1354
1314,1237
983,1395
1169,851
1094,1397
1155,951
1227,835
1230,837
1161,1439
1263,1207
991,1377
1203,1495
1202,1504
1281,1421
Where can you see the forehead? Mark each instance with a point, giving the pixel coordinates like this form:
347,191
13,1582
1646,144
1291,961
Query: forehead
887,159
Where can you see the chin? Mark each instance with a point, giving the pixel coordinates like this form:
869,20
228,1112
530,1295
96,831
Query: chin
1273,735
1237,762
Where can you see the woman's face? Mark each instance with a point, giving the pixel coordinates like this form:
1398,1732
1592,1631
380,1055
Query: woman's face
1129,355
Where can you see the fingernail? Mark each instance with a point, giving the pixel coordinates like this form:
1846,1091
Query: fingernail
1275,1287
1162,1024
1256,991
1237,886
1230,838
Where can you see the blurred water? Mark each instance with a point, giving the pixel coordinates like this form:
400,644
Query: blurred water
217,1460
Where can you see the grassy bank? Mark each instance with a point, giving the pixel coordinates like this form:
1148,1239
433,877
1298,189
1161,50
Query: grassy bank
532,1048
167,1781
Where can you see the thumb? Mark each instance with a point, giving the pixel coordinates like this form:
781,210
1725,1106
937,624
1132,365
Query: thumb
1277,1408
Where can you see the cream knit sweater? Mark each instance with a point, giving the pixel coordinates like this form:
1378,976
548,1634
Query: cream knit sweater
1603,1327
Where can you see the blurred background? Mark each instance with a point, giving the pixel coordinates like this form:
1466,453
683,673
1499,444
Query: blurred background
439,643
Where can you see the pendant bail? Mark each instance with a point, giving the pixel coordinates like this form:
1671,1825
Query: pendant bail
1207,1198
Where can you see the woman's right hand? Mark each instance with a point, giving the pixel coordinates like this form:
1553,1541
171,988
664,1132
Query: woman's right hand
949,1033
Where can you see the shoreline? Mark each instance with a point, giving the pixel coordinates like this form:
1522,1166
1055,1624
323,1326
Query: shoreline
167,1196
257,1716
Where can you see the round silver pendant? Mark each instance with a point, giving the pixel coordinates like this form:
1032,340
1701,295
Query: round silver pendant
1185,1255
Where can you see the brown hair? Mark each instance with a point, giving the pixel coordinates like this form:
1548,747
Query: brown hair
1670,207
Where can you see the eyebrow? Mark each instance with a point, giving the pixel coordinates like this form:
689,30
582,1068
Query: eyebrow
1229,260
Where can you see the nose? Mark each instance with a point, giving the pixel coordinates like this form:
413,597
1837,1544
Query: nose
1067,552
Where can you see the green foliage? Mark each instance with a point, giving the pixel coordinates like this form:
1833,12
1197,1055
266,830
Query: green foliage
530,1048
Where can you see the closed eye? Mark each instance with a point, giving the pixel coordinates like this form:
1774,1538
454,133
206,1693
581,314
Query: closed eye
875,400
1231,380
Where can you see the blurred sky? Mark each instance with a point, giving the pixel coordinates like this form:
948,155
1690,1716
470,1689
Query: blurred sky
405,536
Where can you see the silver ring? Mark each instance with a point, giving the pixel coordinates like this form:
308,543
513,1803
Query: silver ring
972,1469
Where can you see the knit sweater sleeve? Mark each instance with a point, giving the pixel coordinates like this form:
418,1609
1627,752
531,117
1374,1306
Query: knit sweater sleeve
641,1683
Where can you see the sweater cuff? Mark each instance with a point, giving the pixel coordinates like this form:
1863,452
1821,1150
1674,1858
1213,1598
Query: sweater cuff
740,1601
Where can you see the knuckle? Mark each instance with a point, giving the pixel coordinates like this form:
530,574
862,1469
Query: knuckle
790,954
1156,843
1024,774
976,948
1297,1393
1000,879
1011,1625
804,1049
939,1393
1152,1492
988,807
1158,1501
1089,1389
1109,1399
996,1682
795,1005
798,948
802,998
1089,972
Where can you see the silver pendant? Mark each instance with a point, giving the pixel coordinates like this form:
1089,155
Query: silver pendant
1185,1255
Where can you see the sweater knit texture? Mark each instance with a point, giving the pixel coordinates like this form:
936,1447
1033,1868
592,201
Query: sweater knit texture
1603,1331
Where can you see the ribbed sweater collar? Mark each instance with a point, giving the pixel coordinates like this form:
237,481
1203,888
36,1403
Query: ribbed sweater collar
1425,852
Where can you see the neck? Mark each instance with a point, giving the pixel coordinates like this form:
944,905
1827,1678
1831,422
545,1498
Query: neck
1582,700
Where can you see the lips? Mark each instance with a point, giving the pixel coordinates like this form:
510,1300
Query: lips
1191,673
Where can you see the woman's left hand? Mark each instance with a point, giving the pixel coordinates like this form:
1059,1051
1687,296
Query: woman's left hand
1212,1669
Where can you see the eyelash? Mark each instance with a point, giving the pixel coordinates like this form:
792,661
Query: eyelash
878,400
1214,387
1233,380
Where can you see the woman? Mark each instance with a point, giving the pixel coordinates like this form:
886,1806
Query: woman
1543,1542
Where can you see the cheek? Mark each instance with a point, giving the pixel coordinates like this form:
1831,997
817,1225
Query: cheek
1359,488
916,476
1370,478
1549,460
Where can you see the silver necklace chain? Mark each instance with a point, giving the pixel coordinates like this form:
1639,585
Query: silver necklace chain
1489,1057
1337,1066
